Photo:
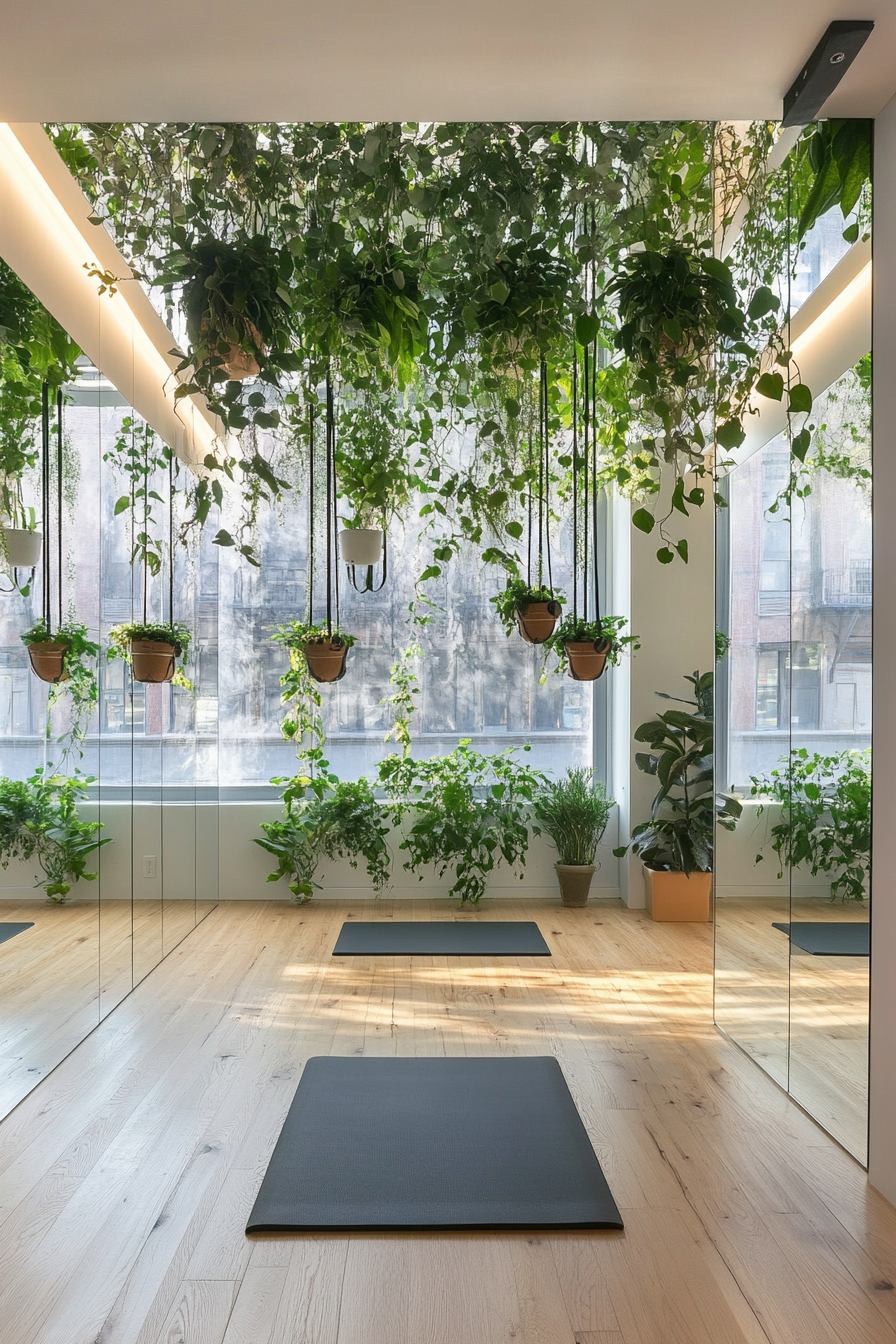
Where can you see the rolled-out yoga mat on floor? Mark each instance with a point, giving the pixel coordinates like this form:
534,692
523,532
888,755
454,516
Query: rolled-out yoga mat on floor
8,931
430,1145
440,938
830,938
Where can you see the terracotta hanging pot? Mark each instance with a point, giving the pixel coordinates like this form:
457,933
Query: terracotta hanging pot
536,621
326,659
152,660
47,660
575,882
23,547
587,658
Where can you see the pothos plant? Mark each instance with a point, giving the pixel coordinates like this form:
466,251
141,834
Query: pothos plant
824,821
79,684
516,596
577,630
39,819
175,633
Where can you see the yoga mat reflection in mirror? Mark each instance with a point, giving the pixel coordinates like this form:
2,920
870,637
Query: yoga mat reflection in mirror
433,1144
8,931
829,938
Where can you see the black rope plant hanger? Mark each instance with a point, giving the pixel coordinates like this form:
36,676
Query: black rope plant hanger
48,656
154,657
326,647
536,620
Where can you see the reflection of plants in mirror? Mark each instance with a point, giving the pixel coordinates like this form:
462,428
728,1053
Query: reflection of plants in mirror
326,817
372,467
404,680
78,669
174,633
574,812
723,644
139,454
825,820
39,819
468,813
678,837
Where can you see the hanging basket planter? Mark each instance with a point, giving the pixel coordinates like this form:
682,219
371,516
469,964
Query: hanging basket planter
536,621
23,547
587,659
326,658
362,545
152,661
237,362
47,661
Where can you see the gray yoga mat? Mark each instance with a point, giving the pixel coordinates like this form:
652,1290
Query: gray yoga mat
440,938
432,1144
830,938
8,931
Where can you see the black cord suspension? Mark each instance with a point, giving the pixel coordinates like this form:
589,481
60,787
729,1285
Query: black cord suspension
585,429
45,500
546,440
595,550
171,536
575,475
311,513
529,535
329,519
59,446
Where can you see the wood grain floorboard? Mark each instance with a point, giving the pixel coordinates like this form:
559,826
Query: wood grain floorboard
127,1175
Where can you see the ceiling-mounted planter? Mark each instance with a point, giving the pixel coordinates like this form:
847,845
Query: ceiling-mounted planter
362,545
586,659
536,621
152,660
47,661
326,658
23,547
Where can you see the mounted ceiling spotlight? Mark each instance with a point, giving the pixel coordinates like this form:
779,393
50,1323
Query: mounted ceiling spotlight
824,70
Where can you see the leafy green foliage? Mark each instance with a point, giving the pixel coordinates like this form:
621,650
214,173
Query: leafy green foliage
403,678
838,153
467,813
139,455
372,460
516,597
825,817
576,630
574,811
326,817
679,835
79,668
39,819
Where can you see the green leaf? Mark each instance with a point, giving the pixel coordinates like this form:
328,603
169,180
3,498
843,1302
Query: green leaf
122,504
643,520
771,385
665,556
800,399
682,549
801,444
730,435
587,328
763,302
499,291
223,539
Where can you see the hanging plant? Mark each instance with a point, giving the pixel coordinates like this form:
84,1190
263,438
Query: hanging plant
584,647
66,658
322,648
152,650
533,611
39,819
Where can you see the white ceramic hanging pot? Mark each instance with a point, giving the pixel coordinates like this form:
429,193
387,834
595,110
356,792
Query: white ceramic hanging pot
23,547
361,545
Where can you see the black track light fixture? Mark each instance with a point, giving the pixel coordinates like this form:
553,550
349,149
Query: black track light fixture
824,70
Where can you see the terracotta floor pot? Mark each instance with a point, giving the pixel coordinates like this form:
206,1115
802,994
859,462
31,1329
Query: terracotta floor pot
23,548
575,883
151,660
326,660
587,659
46,661
536,623
675,898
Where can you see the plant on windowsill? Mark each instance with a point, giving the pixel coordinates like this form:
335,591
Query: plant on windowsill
584,648
825,822
322,648
468,812
534,611
39,819
326,817
574,812
676,844
152,650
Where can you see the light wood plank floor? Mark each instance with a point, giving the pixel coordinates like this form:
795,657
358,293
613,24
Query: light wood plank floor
127,1176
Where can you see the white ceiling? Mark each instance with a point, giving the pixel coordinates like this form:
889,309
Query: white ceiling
283,60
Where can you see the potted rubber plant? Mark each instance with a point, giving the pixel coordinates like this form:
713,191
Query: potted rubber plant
676,845
533,611
574,811
323,647
153,649
584,648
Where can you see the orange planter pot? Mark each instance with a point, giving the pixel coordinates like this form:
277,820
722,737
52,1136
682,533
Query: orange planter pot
536,623
326,660
151,660
587,660
46,661
675,898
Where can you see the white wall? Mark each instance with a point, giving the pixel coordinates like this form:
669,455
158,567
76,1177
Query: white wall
882,1141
